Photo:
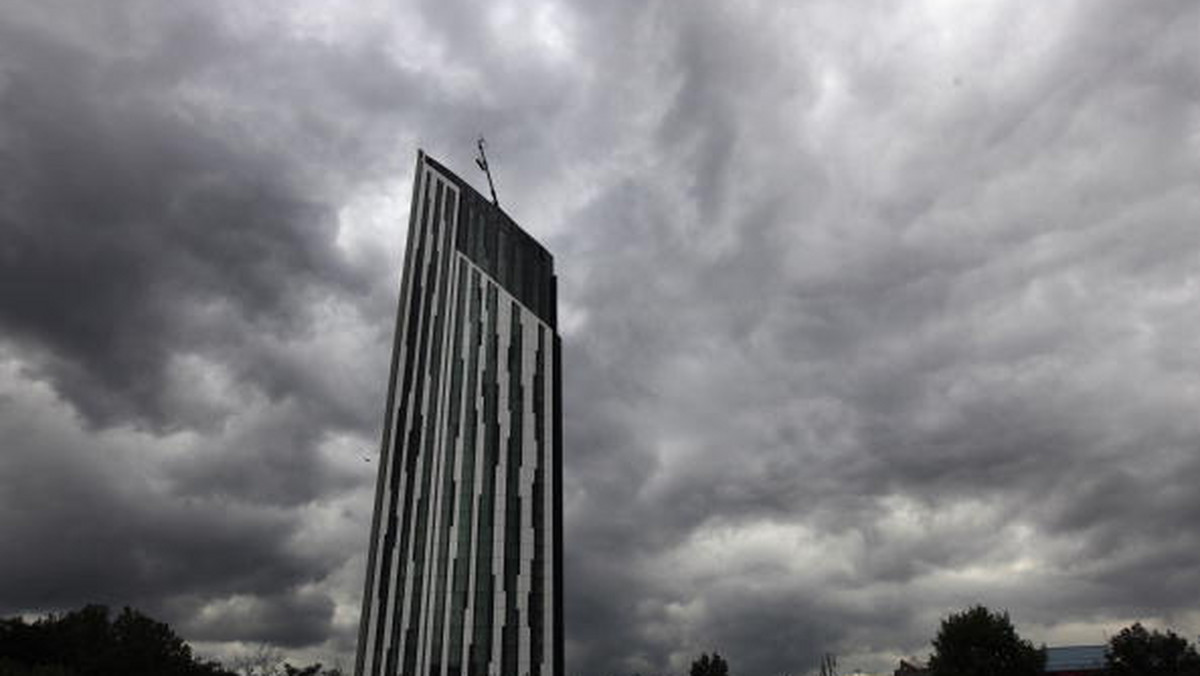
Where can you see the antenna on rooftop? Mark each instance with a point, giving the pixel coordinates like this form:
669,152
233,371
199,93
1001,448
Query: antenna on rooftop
483,164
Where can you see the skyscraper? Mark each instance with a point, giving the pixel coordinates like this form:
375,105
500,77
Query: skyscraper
464,571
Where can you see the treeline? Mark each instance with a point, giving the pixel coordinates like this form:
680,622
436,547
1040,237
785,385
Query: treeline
88,642
981,642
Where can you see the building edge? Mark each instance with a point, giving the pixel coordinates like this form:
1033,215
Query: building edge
385,444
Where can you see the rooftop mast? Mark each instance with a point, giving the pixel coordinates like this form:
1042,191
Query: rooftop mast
483,164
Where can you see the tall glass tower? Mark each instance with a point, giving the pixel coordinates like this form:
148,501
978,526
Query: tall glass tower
464,575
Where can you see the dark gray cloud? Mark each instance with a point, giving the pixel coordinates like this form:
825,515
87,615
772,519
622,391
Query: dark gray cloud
129,223
88,516
168,266
870,313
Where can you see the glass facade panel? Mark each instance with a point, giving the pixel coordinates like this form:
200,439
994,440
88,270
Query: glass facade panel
508,254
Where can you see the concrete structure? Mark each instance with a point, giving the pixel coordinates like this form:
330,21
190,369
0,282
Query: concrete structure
464,575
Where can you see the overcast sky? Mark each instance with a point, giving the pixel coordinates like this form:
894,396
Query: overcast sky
871,310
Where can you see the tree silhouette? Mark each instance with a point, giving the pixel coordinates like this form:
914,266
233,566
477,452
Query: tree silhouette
1138,652
85,643
978,642
710,666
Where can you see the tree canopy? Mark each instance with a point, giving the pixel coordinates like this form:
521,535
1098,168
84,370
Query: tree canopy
710,666
978,642
85,642
1135,651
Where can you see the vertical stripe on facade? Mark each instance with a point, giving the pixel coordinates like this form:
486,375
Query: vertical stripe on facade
393,567
412,542
556,500
462,562
512,494
481,638
537,583
444,517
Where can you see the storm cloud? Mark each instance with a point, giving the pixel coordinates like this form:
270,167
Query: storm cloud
870,312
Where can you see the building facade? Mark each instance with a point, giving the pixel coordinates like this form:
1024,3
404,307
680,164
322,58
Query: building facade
1075,660
464,572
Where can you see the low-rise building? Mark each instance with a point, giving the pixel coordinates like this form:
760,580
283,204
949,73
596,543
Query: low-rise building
911,667
1075,660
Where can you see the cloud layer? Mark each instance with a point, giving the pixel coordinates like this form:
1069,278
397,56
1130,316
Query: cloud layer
870,313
